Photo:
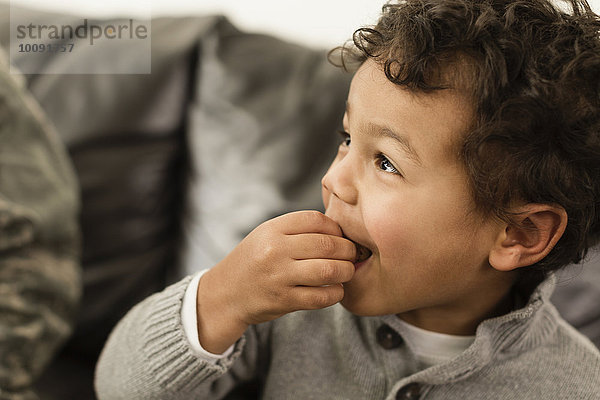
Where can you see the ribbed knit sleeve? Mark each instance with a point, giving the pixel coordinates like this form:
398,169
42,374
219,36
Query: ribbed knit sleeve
148,357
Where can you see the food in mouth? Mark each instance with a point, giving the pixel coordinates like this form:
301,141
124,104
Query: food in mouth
362,253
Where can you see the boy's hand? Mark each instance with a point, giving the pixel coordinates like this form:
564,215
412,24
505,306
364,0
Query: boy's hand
294,262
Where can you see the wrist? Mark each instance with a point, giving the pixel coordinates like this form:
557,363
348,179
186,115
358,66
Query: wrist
219,326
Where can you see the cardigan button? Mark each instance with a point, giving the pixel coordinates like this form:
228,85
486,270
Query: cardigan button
412,391
388,338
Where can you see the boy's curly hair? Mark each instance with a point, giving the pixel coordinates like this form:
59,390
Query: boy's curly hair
532,70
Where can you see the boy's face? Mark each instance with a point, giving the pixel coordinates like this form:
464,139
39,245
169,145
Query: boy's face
396,188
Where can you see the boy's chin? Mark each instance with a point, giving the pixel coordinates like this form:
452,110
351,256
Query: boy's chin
361,308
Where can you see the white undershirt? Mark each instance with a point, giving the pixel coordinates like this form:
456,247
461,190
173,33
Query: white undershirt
430,348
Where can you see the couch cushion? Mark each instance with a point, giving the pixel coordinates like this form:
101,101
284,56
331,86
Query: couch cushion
261,133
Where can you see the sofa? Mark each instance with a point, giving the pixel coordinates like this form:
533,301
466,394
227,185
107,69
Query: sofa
175,167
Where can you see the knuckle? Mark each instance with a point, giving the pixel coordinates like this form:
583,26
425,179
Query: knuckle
347,271
269,250
320,299
330,272
333,295
326,297
326,244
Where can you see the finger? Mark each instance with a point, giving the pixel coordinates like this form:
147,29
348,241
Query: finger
307,222
321,272
313,245
313,298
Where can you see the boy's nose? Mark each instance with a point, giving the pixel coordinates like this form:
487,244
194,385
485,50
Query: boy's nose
339,181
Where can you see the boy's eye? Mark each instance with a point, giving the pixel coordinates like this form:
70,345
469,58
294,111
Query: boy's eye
386,165
345,138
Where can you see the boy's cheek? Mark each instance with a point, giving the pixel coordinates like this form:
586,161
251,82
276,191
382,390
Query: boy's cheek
399,236
387,233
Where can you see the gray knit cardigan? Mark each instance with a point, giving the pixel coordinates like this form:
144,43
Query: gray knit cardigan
530,353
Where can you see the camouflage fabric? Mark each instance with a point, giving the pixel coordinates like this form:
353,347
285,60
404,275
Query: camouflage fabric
39,241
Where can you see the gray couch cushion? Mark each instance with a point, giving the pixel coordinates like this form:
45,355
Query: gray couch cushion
262,134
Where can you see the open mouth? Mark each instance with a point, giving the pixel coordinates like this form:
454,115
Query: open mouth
362,253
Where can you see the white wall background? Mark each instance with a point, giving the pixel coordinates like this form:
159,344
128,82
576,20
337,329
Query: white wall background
323,23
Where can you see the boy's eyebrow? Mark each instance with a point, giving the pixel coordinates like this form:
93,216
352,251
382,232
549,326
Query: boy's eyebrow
384,131
403,142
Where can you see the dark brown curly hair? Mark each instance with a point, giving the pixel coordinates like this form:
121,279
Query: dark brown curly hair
532,71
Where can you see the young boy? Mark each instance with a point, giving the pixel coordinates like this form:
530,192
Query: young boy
469,171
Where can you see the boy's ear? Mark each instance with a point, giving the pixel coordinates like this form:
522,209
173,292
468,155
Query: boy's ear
538,230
